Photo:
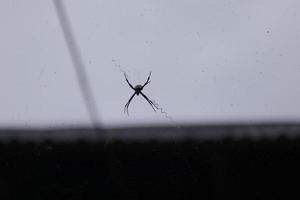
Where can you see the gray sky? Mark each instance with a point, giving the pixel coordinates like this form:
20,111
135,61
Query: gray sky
211,61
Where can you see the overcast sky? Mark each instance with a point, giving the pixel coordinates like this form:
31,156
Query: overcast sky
211,61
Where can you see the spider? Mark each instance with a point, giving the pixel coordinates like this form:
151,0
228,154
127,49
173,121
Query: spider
138,90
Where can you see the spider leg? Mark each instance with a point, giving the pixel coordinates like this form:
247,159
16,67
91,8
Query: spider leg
150,102
127,104
148,79
128,81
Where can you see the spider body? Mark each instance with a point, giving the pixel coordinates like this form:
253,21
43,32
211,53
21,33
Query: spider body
138,90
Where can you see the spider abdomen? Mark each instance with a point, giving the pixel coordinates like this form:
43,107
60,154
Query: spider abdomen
138,87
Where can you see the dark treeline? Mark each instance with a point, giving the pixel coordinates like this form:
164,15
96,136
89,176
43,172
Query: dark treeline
236,169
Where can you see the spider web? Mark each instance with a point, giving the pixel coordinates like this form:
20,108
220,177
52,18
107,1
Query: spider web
156,105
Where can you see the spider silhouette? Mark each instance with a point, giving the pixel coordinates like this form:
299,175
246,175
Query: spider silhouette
138,90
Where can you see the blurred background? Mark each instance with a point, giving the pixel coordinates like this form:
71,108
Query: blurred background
225,78
211,62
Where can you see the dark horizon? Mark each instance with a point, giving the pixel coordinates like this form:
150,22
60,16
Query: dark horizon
158,132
